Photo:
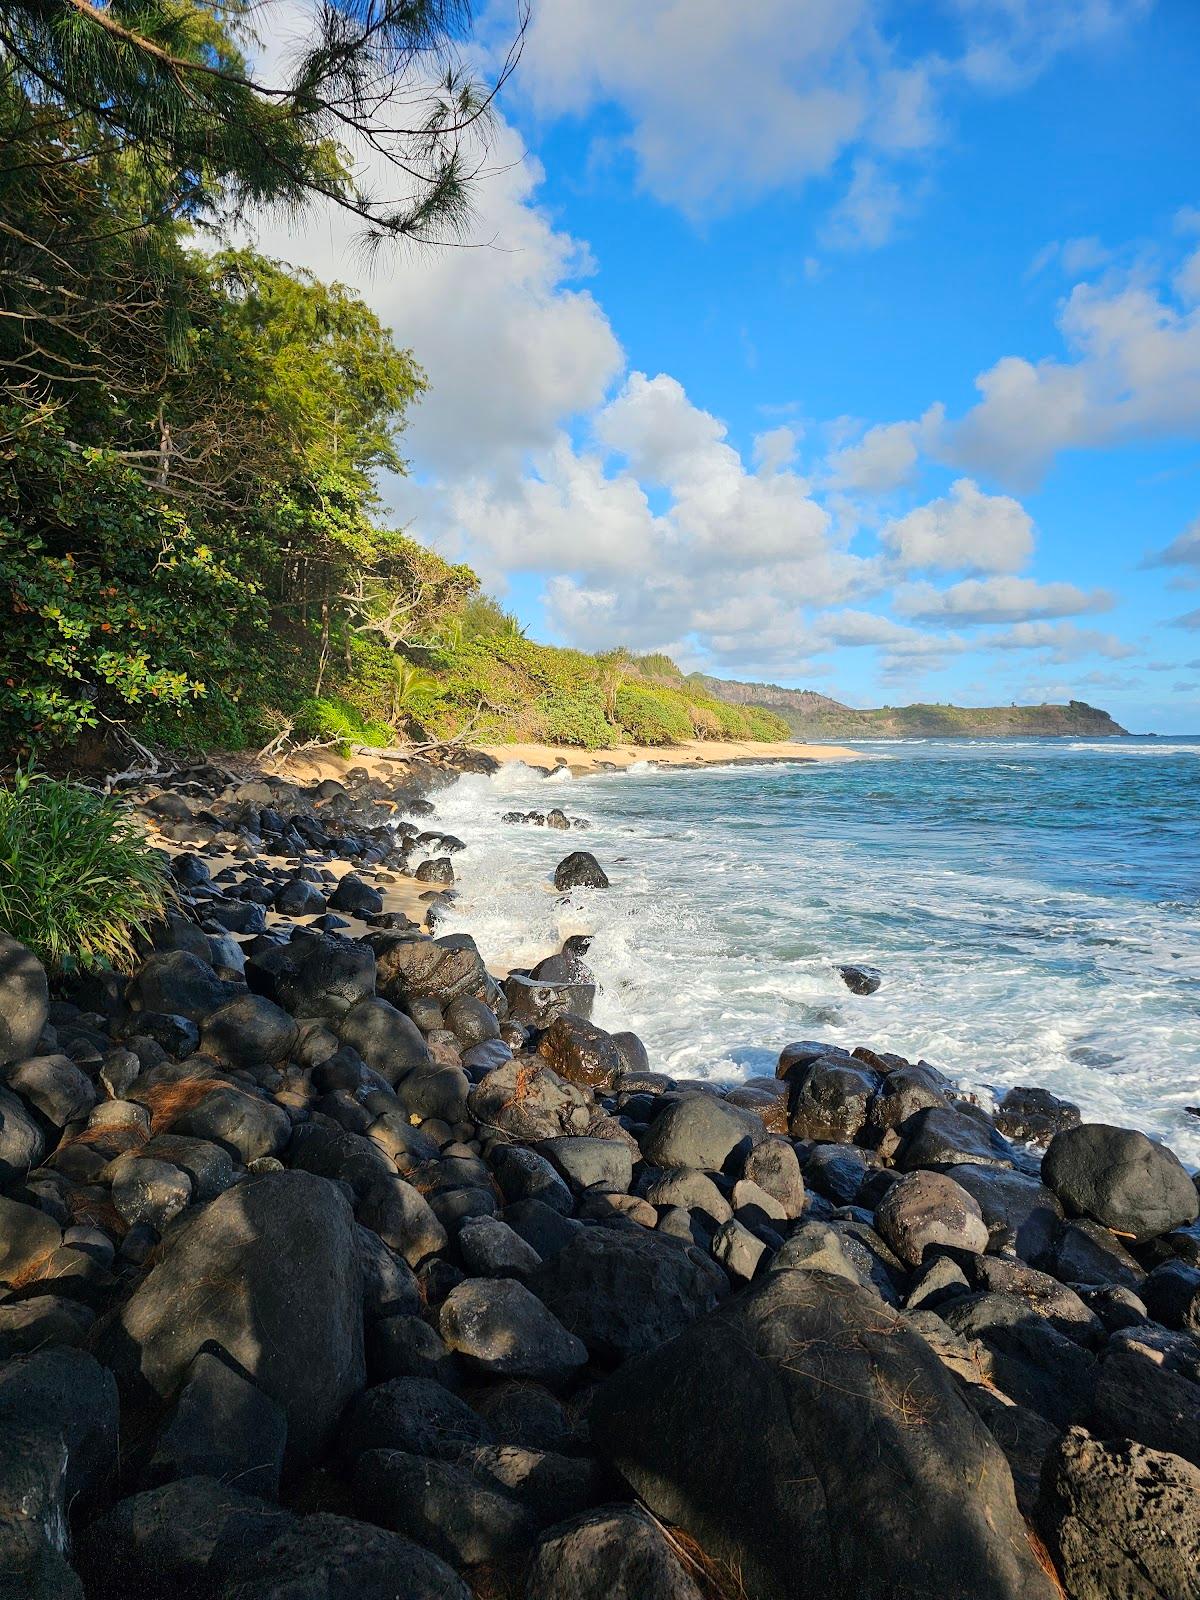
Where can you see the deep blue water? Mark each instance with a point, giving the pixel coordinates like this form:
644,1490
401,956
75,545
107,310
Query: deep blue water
1034,907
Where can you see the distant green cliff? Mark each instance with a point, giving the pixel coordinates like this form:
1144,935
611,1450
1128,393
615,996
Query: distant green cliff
816,716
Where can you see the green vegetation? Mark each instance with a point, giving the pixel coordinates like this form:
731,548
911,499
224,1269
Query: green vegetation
77,877
192,549
809,715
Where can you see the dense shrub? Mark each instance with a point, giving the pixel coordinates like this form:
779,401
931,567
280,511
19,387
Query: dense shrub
576,718
766,725
652,716
77,877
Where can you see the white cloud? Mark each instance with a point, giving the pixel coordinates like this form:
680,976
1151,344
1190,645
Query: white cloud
883,459
982,600
1133,372
775,448
726,103
965,531
1062,641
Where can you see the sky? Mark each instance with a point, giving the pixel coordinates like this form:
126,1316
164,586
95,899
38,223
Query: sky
843,344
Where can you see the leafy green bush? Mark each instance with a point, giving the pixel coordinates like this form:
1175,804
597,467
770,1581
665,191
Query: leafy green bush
577,719
336,722
766,725
652,716
77,877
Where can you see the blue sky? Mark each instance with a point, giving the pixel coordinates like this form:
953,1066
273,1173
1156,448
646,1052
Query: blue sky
842,343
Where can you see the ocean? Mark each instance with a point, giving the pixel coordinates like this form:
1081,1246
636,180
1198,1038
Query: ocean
1033,907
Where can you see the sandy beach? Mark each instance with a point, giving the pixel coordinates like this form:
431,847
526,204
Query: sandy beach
695,753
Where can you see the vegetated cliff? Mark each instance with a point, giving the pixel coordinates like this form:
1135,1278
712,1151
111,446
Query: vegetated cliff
815,716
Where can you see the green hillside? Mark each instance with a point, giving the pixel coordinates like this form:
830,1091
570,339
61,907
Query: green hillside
810,715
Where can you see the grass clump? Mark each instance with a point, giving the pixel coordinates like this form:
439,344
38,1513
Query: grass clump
653,716
78,880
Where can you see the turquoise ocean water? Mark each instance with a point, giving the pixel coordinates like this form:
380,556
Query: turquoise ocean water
1034,907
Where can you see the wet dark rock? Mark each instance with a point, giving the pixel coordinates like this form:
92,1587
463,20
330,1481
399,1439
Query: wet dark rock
1034,1116
929,1208
939,1137
827,1402
581,1052
624,1293
1122,1520
437,969
537,1002
440,869
500,1329
615,1553
836,1171
24,1000
859,979
831,1100
222,1427
1120,1179
1045,1296
268,1271
691,1189
906,1091
580,870
249,1032
700,1130
471,1021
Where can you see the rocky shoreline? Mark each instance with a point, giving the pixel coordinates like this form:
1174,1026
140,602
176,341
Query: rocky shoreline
333,1265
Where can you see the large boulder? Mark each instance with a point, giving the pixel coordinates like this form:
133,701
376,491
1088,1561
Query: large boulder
701,1130
929,1208
249,1032
623,1293
269,1271
58,1426
580,870
525,1100
832,1100
24,1000
805,1423
1121,1179
433,969
179,984
327,1557
503,1331
22,1144
329,977
54,1086
390,1043
1122,1520
581,1052
245,1125
615,1553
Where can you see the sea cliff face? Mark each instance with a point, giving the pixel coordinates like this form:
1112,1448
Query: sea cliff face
816,716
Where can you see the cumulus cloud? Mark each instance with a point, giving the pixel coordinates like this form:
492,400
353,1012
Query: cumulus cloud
964,531
883,459
1061,641
982,600
1132,372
